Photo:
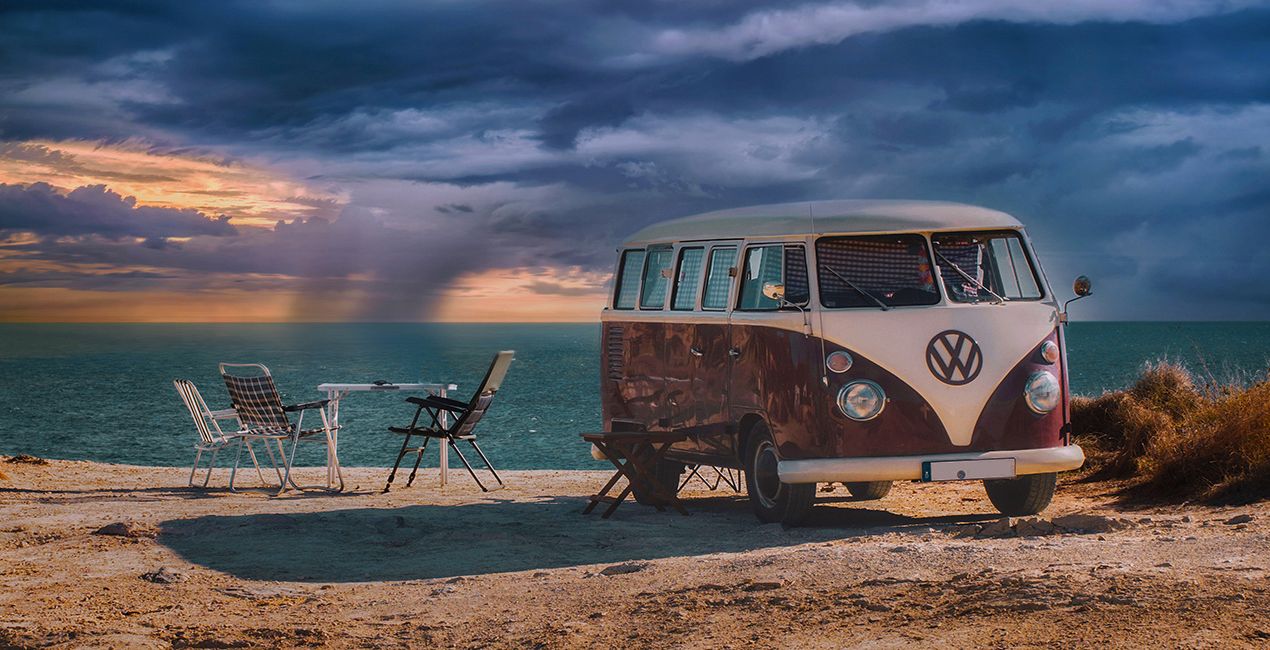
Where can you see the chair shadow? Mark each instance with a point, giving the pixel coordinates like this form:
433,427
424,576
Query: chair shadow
427,541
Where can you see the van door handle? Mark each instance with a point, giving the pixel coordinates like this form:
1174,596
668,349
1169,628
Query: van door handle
734,352
696,352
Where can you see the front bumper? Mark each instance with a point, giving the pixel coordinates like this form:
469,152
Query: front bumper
906,468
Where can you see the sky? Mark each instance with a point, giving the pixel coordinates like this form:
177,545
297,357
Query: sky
322,160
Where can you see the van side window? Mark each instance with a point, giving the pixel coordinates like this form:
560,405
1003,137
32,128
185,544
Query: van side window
797,287
718,280
656,272
763,265
688,279
628,280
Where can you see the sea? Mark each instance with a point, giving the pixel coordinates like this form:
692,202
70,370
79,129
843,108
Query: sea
103,392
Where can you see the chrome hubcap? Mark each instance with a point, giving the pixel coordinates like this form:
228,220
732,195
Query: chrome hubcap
767,482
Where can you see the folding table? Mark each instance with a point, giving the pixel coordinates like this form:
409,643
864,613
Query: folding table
337,392
635,454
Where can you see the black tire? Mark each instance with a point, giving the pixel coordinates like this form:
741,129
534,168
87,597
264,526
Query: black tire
1022,496
772,500
666,474
870,491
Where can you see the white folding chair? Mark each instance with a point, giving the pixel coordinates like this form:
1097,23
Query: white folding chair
212,438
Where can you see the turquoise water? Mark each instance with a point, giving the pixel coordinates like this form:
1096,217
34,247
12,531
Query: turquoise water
104,392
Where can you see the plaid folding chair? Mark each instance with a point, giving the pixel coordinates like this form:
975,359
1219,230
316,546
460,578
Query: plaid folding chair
212,438
465,416
260,409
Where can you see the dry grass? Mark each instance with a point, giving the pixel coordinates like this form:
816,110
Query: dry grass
1171,438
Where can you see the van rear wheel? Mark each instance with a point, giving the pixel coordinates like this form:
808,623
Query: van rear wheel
870,491
1022,496
772,500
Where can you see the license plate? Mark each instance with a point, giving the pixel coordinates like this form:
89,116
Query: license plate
968,470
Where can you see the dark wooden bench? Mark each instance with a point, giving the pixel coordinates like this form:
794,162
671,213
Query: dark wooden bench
636,455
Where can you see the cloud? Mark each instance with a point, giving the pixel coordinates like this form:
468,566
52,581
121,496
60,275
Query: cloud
768,31
95,210
441,142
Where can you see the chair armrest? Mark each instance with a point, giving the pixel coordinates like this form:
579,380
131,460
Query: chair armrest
443,403
306,406
224,414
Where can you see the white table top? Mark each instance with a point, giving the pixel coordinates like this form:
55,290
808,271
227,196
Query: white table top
349,388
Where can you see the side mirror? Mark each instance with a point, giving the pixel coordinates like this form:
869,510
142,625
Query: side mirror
774,291
1083,286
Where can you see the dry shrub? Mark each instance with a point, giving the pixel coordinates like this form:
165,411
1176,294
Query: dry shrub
1119,427
1174,440
1221,451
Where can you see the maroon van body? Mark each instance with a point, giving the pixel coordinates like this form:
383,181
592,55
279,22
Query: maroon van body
975,384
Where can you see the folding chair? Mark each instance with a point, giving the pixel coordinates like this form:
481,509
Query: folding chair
260,409
212,438
465,417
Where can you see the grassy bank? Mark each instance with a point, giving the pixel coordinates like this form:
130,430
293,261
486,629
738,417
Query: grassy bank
1171,437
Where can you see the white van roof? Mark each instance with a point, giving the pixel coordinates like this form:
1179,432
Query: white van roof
832,217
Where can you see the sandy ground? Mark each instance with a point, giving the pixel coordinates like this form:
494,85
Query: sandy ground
521,567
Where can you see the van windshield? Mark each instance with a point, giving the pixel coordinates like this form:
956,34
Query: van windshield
985,266
875,270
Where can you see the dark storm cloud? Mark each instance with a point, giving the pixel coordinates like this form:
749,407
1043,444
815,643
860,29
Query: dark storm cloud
95,210
550,130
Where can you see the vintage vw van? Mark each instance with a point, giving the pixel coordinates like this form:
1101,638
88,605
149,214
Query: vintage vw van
861,342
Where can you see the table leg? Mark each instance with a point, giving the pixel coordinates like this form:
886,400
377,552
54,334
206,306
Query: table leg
333,410
445,456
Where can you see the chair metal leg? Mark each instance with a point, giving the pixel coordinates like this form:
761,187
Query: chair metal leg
210,464
198,455
468,466
286,478
418,459
238,455
487,463
401,454
251,451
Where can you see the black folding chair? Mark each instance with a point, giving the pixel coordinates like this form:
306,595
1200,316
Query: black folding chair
451,421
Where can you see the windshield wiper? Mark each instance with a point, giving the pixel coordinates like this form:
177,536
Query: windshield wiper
999,300
884,306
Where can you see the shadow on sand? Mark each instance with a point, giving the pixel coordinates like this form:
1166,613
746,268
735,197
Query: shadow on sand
428,541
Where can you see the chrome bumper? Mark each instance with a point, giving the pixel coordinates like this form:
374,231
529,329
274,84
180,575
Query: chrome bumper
906,468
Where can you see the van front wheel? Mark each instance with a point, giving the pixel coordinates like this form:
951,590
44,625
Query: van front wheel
1022,496
869,491
772,500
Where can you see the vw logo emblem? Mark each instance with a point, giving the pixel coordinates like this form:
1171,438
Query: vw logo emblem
954,358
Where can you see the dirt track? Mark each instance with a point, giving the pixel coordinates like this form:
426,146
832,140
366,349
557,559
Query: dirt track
521,568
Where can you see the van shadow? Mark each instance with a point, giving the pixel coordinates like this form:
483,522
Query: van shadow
497,536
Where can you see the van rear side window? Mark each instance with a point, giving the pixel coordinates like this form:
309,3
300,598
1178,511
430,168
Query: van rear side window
628,280
688,279
656,277
719,278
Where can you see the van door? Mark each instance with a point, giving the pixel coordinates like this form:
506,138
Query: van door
770,340
709,350
681,364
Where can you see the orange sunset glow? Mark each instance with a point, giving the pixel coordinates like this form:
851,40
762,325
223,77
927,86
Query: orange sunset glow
254,198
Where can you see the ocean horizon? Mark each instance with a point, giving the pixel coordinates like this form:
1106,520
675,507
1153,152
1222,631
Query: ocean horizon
103,391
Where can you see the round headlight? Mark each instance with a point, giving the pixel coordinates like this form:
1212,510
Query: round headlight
839,361
1049,352
861,400
1041,392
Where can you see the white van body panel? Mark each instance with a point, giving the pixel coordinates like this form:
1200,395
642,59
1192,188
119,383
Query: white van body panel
897,340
